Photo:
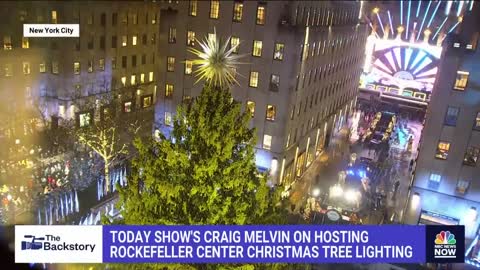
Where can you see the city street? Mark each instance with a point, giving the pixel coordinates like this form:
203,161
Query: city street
393,164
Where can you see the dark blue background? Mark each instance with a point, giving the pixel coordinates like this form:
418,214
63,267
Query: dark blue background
377,235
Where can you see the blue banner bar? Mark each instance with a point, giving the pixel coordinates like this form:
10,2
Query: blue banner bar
265,244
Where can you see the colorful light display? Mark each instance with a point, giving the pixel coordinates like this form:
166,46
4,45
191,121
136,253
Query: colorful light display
399,67
403,63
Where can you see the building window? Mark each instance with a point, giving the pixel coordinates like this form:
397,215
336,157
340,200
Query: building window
212,36
114,63
147,101
235,43
114,42
90,19
434,180
101,64
135,18
461,80
462,186
154,18
125,18
90,43
471,156
451,116
127,106
274,83
54,16
271,112
257,48
43,67
26,68
251,108
168,118
187,99
25,43
188,67
133,79
150,76
90,66
124,61
84,119
124,81
267,142
114,19
278,53
191,38
153,39
144,59
124,41
172,35
170,63
7,42
142,78
54,67
144,39
253,82
76,68
237,11
8,70
102,42
192,8
214,9
168,90
261,15
134,40
442,150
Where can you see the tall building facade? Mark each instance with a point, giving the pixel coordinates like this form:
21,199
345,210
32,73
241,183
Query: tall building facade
445,186
304,62
115,58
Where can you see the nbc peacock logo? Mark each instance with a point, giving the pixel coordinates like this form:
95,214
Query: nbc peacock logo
445,238
445,245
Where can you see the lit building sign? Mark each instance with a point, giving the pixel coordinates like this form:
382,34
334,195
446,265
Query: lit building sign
400,68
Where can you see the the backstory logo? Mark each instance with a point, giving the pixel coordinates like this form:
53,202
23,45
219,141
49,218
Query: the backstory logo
58,244
53,243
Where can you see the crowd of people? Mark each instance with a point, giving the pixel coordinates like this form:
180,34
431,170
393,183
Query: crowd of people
28,176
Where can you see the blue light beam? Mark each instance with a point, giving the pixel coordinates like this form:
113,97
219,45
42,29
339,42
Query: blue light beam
439,28
448,7
459,9
433,15
408,18
423,21
401,12
471,5
453,27
381,24
418,8
390,21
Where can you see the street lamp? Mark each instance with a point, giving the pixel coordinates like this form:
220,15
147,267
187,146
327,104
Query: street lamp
336,191
352,196
316,192
415,200
471,214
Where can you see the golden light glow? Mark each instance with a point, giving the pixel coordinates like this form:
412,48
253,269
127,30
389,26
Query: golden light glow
460,19
427,32
400,29
216,62
376,10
